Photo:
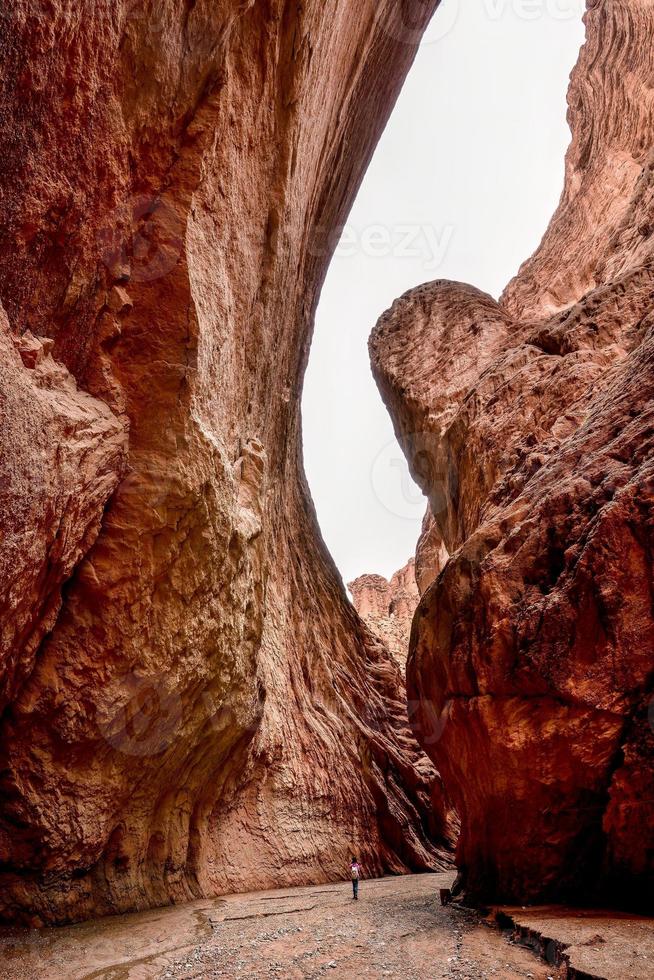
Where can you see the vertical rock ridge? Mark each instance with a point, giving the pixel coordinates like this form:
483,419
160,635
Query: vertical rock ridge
529,425
387,607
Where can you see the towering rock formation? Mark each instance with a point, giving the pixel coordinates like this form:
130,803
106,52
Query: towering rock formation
387,607
530,425
190,703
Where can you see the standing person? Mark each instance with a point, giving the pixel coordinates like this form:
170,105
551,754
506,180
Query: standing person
355,874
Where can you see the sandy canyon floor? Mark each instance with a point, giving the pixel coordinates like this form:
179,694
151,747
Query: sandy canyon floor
397,929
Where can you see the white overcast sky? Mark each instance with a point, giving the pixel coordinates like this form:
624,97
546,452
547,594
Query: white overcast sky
464,180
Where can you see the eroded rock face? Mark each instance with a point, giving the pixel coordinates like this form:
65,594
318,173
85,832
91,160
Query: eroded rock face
387,607
206,712
63,453
530,425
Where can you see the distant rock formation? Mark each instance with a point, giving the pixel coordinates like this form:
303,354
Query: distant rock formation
387,607
191,704
529,424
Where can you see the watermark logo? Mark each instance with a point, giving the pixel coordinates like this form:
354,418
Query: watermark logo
151,485
393,486
412,21
141,716
141,241
427,723
153,16
398,492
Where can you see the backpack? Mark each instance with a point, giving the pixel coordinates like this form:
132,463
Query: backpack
354,871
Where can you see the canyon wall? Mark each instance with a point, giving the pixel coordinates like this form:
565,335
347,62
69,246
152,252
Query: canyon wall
190,704
387,607
529,424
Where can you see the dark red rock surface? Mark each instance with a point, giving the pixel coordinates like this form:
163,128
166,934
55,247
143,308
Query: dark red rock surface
529,424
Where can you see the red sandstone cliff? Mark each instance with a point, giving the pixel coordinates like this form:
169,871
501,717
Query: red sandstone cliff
200,708
387,607
529,423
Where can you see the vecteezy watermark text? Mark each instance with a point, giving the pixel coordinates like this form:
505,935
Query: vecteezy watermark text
407,20
400,241
143,240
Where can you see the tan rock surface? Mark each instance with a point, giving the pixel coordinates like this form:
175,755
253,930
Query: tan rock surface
207,712
529,424
387,607
62,454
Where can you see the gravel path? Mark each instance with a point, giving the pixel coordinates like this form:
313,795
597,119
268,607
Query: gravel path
396,929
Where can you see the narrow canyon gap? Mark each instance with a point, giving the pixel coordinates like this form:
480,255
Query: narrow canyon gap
189,702
462,185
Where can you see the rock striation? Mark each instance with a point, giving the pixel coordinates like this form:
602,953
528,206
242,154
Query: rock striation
387,607
529,424
190,704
